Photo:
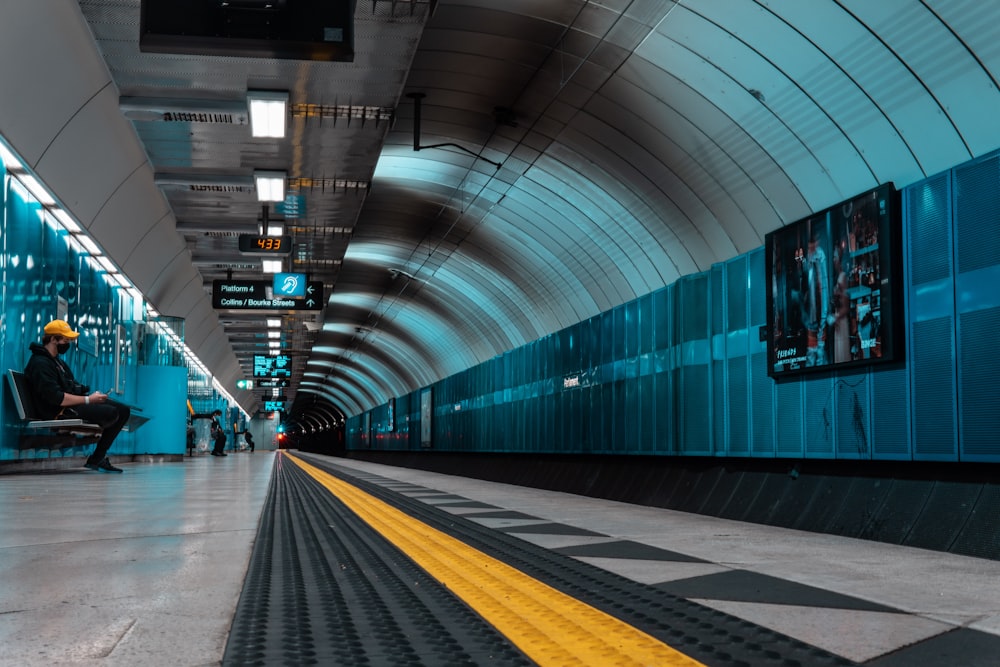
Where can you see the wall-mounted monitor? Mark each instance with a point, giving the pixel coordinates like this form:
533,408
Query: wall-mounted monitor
833,285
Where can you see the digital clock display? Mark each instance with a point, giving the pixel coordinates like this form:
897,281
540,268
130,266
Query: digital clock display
265,245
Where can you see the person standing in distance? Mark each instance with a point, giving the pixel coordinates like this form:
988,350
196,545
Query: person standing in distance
218,434
56,392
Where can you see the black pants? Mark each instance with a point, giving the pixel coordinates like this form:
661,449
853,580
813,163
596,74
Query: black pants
220,443
111,416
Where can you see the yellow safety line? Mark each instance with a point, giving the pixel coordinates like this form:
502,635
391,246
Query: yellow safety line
552,628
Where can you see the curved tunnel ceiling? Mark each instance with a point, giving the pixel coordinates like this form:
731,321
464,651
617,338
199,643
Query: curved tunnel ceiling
638,141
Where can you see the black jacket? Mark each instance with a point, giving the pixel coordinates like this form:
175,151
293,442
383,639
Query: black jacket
48,379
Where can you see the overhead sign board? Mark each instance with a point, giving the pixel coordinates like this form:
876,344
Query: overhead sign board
273,383
290,284
260,295
272,366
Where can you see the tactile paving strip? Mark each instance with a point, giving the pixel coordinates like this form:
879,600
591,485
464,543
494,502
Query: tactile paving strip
712,637
323,588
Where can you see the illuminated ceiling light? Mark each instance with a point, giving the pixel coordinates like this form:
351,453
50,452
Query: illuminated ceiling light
275,230
37,190
88,243
274,334
64,218
73,240
270,185
272,265
273,322
106,264
268,113
9,160
274,344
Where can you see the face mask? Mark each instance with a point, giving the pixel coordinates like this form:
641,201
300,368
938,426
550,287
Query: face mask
62,348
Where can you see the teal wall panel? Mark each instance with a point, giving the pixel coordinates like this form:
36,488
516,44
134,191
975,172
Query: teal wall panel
43,277
682,370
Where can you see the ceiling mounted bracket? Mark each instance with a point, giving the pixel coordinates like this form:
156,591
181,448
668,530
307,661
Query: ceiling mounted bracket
417,100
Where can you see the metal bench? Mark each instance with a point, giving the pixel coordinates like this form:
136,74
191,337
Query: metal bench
47,433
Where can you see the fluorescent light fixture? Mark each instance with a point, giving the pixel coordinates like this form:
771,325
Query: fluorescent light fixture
88,243
9,160
270,185
275,230
268,113
272,265
37,190
273,334
274,344
120,279
106,264
64,218
73,241
273,322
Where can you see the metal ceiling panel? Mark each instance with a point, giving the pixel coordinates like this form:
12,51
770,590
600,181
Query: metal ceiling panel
640,141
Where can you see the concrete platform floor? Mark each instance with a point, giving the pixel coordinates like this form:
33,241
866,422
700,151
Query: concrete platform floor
146,567
139,568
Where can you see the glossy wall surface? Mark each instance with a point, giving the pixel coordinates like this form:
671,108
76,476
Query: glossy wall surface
682,370
40,270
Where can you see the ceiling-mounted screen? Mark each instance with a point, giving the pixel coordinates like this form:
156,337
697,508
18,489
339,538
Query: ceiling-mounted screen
294,29
273,366
832,285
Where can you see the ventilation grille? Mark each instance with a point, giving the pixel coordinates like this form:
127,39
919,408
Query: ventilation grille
930,231
198,117
220,188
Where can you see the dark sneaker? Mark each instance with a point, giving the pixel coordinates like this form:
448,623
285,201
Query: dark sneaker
103,466
106,466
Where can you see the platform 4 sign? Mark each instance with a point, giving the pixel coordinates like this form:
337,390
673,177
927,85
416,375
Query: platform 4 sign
259,295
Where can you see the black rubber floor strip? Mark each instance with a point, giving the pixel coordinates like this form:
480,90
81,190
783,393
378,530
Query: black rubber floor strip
323,589
712,637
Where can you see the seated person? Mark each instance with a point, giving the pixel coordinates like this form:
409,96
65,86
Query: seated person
56,393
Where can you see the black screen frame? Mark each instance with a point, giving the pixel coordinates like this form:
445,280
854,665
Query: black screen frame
266,366
320,30
859,242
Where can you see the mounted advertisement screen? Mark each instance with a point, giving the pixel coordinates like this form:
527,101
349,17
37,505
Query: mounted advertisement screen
833,280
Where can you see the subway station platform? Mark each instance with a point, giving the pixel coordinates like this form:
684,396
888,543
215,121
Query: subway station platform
293,559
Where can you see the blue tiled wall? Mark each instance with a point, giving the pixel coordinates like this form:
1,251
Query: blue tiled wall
40,269
682,371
